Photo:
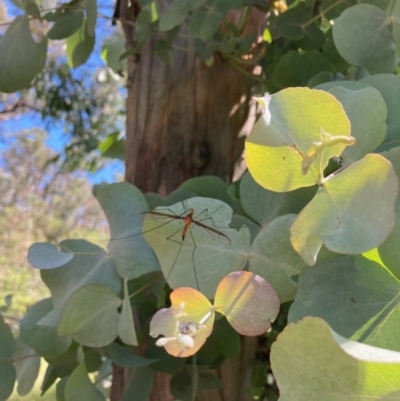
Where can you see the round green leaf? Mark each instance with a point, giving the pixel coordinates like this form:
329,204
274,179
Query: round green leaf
273,258
43,339
296,69
357,297
263,205
91,264
47,256
123,204
309,365
290,24
367,113
249,303
207,187
204,257
18,50
27,365
363,37
291,123
351,213
66,24
389,87
79,387
90,316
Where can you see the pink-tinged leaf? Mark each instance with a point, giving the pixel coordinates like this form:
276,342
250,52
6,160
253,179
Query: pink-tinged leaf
248,301
186,324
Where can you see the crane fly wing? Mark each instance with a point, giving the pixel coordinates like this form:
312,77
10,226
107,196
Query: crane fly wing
159,216
213,233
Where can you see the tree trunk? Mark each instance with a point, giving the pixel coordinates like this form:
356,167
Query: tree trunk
183,121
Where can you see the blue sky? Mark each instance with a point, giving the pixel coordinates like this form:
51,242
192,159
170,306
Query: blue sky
57,136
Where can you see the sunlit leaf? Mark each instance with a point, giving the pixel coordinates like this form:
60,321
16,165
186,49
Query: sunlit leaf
248,301
273,258
91,264
357,297
292,122
389,251
27,364
79,387
90,316
18,50
351,213
308,364
204,257
47,256
126,327
190,314
123,204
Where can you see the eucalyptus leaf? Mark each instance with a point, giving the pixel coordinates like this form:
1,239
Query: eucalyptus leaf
122,356
308,363
296,69
367,112
174,15
263,205
66,24
389,86
209,187
91,16
79,387
18,50
363,37
43,339
205,256
351,213
7,370
27,365
138,384
389,251
273,258
126,327
91,264
290,24
357,297
46,256
90,316
123,205
80,45
291,124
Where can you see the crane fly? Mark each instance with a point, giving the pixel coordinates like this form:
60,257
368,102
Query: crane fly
188,220
184,254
